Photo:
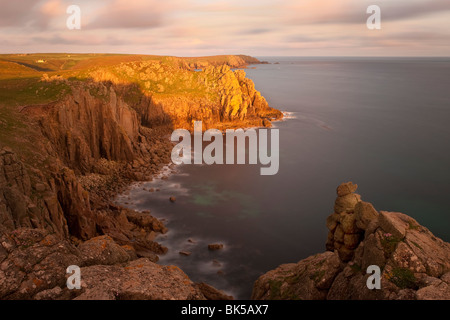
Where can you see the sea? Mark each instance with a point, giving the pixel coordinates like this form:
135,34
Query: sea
382,123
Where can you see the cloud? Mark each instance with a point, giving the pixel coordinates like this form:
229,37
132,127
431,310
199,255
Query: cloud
257,31
192,27
126,14
29,13
354,11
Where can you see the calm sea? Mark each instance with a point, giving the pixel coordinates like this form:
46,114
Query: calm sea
383,123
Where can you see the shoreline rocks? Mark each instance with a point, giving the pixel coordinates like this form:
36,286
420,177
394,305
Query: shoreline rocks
215,246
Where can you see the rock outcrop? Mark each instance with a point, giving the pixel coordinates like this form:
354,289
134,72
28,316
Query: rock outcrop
175,95
137,280
33,265
414,263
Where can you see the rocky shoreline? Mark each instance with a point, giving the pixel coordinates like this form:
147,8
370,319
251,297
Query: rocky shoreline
78,151
414,264
61,163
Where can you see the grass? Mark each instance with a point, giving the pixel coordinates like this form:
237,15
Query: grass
416,244
356,268
389,243
275,289
413,225
170,77
27,91
318,275
403,278
13,129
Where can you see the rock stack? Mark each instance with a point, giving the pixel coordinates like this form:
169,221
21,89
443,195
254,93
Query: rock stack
350,219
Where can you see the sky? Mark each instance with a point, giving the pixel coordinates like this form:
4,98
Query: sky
209,27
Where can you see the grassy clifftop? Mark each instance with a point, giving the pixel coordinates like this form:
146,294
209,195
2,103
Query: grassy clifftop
150,84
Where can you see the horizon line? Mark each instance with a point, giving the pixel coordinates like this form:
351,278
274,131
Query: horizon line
232,54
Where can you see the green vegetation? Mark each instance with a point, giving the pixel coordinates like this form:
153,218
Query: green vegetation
413,225
416,244
318,275
28,91
275,289
403,278
356,268
294,279
389,243
164,77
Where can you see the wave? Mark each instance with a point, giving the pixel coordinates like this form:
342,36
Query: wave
288,115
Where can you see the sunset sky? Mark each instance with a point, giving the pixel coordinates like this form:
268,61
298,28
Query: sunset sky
207,27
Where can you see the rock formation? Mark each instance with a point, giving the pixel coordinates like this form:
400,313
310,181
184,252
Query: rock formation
64,159
414,263
34,262
173,94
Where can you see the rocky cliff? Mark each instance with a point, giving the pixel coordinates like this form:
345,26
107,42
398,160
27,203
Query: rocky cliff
62,160
170,92
414,263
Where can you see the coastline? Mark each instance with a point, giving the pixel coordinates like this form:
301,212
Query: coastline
58,177
120,135
180,242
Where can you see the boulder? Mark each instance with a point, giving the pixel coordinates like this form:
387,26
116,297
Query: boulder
339,234
332,221
37,261
395,223
436,291
212,293
215,246
351,240
102,250
137,280
348,222
346,203
307,280
365,213
346,188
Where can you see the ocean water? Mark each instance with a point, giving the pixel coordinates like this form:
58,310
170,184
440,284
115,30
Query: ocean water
382,123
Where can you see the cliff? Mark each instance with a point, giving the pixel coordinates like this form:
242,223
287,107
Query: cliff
170,92
414,263
70,140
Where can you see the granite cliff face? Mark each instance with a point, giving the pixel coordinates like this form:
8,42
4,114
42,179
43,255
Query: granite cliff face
414,263
169,92
108,128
